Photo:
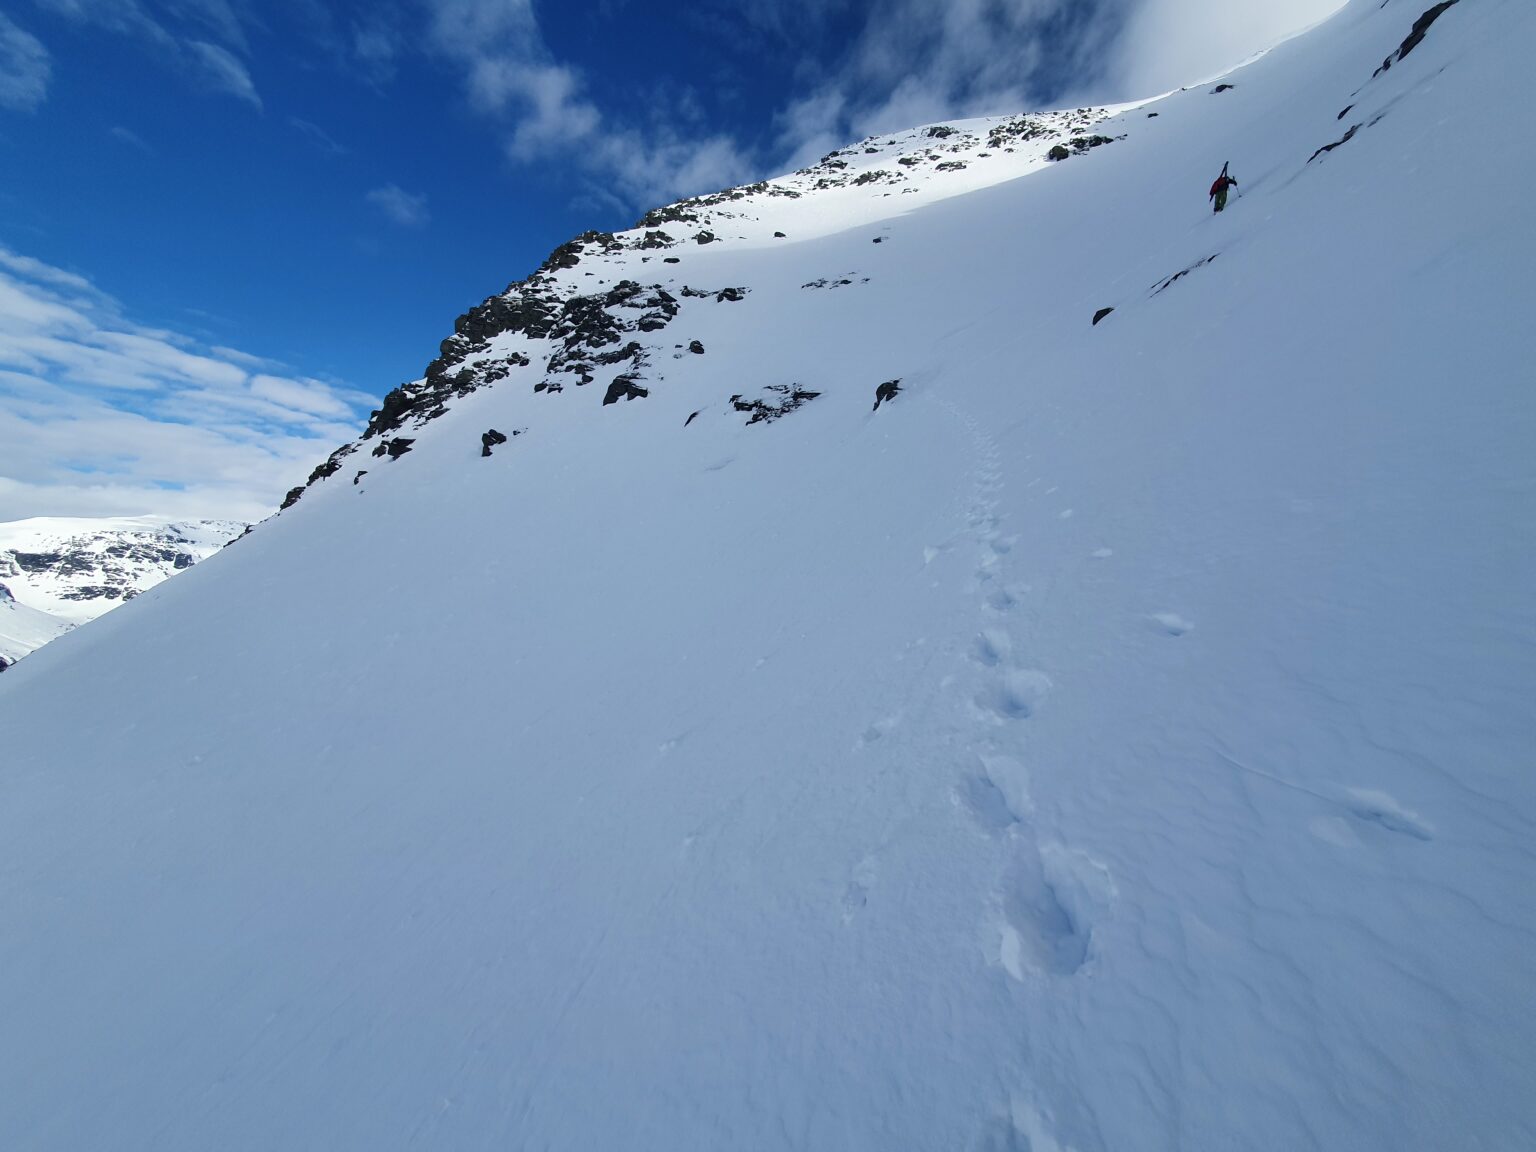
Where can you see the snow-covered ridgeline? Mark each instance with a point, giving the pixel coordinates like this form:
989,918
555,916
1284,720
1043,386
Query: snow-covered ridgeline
59,572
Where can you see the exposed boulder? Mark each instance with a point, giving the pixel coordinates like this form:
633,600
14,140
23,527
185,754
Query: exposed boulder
489,439
1100,314
781,401
696,347
395,448
624,388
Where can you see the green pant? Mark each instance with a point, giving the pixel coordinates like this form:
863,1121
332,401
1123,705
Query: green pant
1221,199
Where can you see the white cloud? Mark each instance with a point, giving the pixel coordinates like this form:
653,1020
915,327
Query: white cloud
317,136
376,47
131,138
25,68
101,416
510,74
409,210
223,71
121,16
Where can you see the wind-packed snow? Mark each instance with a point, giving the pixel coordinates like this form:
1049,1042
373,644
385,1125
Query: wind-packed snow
1121,739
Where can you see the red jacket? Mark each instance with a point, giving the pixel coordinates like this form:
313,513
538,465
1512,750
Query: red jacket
1222,182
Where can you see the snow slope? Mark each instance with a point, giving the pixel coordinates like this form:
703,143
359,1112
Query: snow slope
1121,740
64,571
23,629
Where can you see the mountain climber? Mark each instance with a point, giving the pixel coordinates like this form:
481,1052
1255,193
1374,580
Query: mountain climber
1219,189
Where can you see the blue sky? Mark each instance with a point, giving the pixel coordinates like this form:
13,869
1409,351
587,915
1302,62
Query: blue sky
228,226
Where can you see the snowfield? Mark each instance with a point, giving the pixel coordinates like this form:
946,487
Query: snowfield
1121,739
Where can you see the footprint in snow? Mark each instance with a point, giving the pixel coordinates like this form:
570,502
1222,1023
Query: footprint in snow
1045,930
877,731
1171,623
1005,599
1013,695
992,647
856,895
997,797
1380,809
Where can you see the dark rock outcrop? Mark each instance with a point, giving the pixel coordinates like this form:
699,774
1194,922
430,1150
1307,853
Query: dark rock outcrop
1416,36
624,388
395,448
782,400
1177,276
489,439
1342,140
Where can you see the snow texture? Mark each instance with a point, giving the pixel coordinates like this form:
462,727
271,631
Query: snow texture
1120,740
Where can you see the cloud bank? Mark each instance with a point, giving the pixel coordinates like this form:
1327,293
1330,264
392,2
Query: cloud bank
101,416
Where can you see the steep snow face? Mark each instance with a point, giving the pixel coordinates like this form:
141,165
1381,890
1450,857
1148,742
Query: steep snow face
1120,739
63,571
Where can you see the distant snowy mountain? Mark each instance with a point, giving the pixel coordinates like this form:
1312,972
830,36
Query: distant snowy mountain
949,649
58,572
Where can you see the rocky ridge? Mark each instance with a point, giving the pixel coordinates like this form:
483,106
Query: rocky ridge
550,332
